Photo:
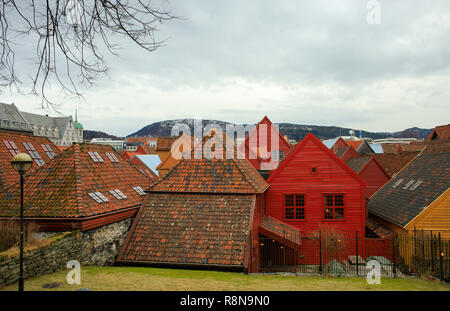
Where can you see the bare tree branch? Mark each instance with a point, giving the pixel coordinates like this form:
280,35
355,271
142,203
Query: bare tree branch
71,39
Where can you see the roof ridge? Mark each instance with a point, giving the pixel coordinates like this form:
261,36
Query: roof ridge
248,177
78,182
166,176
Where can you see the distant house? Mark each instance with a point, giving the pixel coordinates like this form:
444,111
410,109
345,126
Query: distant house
144,149
417,196
313,189
163,146
84,187
41,150
117,144
262,155
366,166
201,214
441,132
371,171
62,131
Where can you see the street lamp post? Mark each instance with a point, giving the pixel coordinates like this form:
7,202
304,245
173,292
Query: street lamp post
21,162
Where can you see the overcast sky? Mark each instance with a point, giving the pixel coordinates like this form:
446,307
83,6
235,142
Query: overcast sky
306,62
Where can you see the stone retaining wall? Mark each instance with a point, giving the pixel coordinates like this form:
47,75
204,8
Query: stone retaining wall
99,246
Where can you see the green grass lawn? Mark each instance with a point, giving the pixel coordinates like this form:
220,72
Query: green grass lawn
157,279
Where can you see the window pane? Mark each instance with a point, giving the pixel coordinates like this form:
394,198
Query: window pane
300,213
329,200
289,213
289,200
328,213
299,200
339,200
339,211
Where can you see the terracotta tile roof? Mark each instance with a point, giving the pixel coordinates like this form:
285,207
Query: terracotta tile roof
357,164
404,196
145,149
280,231
136,162
416,146
381,231
61,188
390,148
190,229
364,149
340,152
436,147
354,143
441,132
128,154
394,162
165,143
212,176
8,175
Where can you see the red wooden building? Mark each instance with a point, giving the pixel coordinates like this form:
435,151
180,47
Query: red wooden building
261,153
371,171
312,189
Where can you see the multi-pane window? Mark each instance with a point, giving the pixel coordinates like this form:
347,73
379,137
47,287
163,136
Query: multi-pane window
95,156
112,157
98,197
139,190
119,195
294,206
12,148
33,153
48,151
334,206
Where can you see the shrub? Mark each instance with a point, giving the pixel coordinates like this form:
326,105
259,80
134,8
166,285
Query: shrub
10,233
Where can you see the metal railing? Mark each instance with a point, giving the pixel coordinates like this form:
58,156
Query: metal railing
334,253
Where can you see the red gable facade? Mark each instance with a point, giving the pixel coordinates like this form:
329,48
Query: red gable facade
86,186
261,154
41,150
371,171
313,189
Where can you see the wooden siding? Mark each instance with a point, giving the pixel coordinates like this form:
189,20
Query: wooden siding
264,143
375,177
333,176
435,217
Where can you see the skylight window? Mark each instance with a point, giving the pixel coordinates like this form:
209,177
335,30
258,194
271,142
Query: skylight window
112,157
98,197
48,151
102,197
398,182
95,197
409,183
119,195
139,190
11,146
34,154
417,184
95,156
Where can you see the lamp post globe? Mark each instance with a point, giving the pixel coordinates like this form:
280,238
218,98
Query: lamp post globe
21,162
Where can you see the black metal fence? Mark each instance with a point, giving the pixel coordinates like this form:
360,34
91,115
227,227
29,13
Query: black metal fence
424,253
349,254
